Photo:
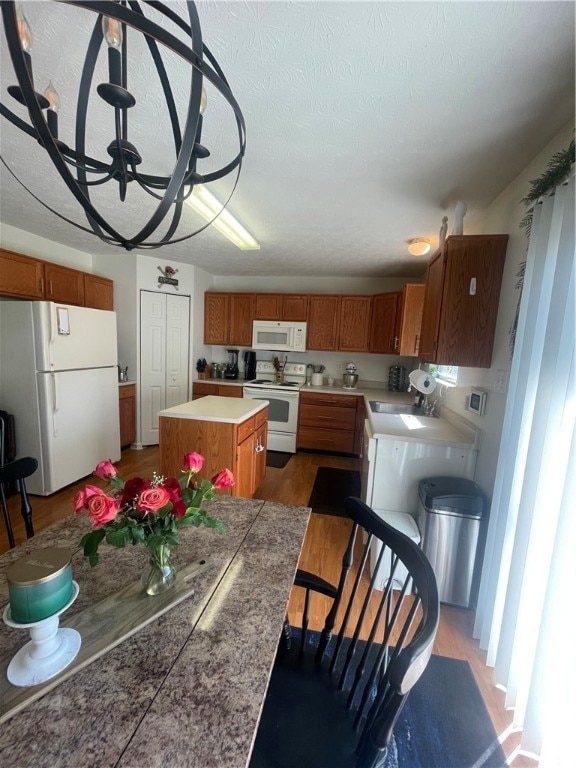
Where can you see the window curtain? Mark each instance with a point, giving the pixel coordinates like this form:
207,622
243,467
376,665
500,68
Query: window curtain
527,597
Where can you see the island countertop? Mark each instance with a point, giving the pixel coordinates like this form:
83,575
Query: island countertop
231,410
186,690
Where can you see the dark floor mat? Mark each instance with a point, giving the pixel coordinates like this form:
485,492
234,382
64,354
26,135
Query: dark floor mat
331,487
277,459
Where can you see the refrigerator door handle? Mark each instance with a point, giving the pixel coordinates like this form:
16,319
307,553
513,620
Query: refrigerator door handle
54,403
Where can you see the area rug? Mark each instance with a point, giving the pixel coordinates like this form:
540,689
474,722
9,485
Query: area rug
277,459
444,723
331,487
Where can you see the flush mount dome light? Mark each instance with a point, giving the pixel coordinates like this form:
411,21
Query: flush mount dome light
120,163
418,246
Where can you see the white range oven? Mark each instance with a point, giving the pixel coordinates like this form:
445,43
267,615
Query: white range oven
282,397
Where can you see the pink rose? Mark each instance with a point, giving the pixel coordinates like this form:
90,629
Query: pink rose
105,470
83,497
193,462
224,479
153,499
102,509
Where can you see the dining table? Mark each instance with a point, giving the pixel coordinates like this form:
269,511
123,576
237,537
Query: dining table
186,689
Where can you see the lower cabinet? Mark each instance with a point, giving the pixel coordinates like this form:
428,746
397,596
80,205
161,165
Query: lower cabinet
241,448
251,455
203,388
127,406
328,422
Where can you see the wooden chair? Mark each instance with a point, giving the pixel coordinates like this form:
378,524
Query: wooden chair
15,473
333,701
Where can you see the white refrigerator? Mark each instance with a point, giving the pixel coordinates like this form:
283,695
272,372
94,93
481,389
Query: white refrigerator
59,378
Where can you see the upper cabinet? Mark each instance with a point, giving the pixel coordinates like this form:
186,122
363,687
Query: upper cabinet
63,284
383,325
281,306
354,327
30,278
21,276
409,320
323,322
228,318
388,323
98,292
461,300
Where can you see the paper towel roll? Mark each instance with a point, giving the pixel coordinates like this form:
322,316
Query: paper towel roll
422,381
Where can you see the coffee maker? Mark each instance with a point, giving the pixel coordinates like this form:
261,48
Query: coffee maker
231,368
249,365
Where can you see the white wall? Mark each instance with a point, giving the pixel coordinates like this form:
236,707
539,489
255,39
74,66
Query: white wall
18,240
503,216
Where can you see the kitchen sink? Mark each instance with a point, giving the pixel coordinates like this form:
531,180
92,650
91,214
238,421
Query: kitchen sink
396,409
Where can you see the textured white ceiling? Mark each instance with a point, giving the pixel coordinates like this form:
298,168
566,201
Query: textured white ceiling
366,122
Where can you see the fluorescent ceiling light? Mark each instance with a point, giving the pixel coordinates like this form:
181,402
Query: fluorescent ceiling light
204,203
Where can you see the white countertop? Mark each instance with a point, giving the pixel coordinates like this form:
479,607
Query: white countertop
232,410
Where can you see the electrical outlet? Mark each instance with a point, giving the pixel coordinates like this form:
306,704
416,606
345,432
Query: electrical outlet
340,367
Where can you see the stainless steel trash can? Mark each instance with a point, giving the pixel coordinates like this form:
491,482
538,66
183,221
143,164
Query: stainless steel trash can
451,517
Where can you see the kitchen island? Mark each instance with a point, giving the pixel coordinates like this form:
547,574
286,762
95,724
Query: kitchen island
186,690
229,432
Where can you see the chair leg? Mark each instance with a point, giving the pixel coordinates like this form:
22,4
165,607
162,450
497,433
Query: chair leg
26,510
7,521
287,634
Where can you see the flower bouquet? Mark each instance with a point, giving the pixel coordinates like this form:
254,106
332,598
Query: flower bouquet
148,512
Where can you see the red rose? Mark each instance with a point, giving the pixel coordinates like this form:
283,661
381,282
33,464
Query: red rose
105,470
178,508
224,479
153,499
83,497
102,509
193,462
132,489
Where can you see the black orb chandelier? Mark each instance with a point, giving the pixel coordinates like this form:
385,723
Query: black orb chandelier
114,23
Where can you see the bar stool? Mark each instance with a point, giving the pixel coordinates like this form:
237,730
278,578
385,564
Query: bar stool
16,472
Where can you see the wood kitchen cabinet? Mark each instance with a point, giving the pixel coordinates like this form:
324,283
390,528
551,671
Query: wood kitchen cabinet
268,306
204,388
63,284
281,306
354,325
323,322
127,408
409,320
461,300
239,447
98,292
383,324
30,278
251,455
21,275
228,318
328,422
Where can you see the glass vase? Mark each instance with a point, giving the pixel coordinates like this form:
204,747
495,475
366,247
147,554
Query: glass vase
159,574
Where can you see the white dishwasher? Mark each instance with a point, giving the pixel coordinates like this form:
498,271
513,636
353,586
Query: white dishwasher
393,465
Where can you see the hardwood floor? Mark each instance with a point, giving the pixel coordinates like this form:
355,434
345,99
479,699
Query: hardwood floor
323,544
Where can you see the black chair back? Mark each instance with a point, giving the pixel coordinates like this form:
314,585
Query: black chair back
15,473
383,643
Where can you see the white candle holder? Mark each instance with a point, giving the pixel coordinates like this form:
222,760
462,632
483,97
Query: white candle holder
49,651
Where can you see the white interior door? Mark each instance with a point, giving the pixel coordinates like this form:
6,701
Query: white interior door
164,358
177,349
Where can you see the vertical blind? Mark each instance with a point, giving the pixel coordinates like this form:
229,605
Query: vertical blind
527,592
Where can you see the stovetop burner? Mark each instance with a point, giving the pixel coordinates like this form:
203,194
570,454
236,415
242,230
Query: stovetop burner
296,372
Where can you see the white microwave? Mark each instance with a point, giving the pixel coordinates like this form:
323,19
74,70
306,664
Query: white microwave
278,336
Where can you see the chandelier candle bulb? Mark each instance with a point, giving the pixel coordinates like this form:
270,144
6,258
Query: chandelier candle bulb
39,584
